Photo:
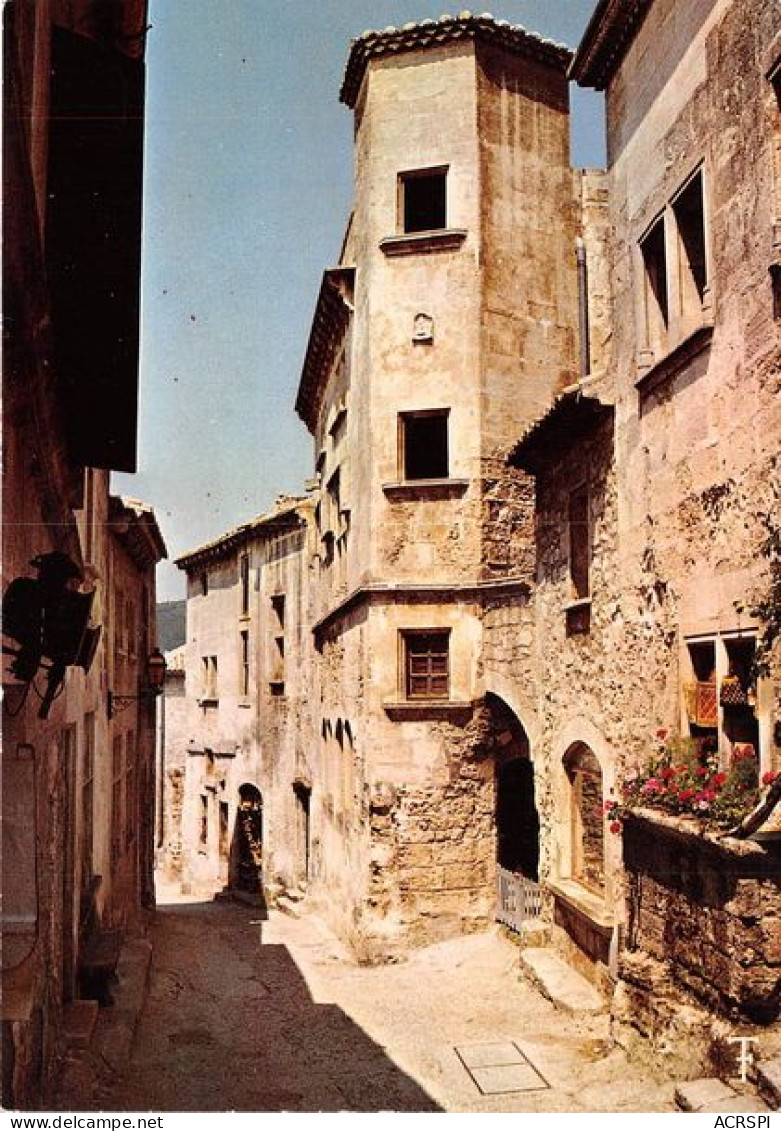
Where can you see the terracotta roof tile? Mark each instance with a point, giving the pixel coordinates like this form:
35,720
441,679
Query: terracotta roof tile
447,29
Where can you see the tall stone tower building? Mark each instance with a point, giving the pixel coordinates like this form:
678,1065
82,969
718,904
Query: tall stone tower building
448,326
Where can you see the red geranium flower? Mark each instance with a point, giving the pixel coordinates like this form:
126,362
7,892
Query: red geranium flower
615,826
718,779
769,777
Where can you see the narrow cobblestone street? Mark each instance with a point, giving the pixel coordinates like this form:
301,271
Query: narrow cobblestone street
253,1015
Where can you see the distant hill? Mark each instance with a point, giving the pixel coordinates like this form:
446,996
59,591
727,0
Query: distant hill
171,630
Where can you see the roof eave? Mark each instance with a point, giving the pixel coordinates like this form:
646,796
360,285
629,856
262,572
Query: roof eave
429,33
221,547
570,418
330,318
605,41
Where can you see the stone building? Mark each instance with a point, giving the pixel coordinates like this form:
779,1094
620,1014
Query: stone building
544,411
657,475
448,325
239,742
76,854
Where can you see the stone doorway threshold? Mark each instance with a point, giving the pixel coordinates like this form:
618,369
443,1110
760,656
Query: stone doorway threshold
499,1067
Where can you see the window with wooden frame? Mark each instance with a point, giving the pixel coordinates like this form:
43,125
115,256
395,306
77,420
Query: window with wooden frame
422,200
426,663
423,444
721,695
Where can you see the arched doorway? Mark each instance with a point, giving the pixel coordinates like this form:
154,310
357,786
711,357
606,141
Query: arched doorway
248,840
586,820
517,820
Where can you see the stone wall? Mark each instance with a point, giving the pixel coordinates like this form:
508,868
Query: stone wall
703,938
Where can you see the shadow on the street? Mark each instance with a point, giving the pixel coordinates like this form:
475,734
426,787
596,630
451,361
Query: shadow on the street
267,1049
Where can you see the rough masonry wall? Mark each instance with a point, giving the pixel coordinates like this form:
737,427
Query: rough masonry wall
702,941
433,852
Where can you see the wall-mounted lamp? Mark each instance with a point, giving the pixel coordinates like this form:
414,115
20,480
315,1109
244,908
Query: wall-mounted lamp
155,678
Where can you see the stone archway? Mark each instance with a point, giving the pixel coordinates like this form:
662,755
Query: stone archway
516,816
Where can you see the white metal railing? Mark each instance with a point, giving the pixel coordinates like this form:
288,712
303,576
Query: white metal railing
518,899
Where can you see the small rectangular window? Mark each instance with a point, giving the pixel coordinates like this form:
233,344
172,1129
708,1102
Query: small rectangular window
224,831
427,664
423,200
204,584
209,688
689,212
244,675
244,583
204,830
579,550
657,307
424,445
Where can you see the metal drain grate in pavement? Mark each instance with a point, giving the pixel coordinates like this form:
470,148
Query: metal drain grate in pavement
500,1067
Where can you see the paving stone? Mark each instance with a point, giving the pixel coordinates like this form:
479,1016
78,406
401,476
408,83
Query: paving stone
500,1078
114,1034
558,982
699,1095
133,975
738,1105
480,1056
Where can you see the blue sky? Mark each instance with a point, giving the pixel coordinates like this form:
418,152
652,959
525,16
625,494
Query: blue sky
248,187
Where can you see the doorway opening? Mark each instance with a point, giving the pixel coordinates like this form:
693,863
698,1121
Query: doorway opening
303,805
248,840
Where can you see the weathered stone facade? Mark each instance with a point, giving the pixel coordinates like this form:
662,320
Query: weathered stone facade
244,719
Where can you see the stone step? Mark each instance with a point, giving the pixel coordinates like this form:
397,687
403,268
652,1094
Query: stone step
116,1025
133,969
78,1022
769,1081
288,907
558,982
709,1095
